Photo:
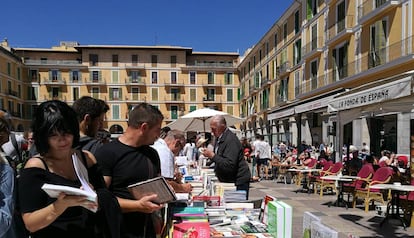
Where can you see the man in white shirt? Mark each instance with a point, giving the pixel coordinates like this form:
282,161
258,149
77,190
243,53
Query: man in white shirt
167,149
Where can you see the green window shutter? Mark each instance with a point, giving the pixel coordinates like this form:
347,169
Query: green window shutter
59,75
120,93
309,14
100,76
50,75
111,96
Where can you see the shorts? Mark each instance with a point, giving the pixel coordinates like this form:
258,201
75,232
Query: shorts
263,161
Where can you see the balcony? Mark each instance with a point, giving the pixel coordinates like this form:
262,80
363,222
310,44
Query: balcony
173,83
370,8
265,82
174,99
12,93
30,62
254,89
341,28
211,83
95,82
212,65
54,81
135,81
315,45
133,66
207,100
135,99
284,68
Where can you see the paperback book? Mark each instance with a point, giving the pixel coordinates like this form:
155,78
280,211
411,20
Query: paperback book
157,186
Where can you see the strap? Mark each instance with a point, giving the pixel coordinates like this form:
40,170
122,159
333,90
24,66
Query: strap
43,161
16,146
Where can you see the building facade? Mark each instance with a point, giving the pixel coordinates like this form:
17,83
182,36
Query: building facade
175,79
333,71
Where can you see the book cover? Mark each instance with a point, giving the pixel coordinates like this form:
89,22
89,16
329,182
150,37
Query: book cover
157,186
191,230
263,208
288,219
275,225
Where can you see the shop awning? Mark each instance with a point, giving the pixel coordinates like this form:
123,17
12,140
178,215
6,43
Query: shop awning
320,103
281,114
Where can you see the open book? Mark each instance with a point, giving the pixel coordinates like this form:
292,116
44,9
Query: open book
81,172
156,185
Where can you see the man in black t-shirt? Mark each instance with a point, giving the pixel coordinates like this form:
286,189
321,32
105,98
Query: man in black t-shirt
128,160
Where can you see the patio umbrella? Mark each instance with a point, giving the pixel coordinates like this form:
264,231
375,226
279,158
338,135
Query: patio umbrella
199,120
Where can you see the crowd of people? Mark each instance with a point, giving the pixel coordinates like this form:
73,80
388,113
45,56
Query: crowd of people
61,134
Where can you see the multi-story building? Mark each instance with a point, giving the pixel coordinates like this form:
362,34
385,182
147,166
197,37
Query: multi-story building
333,71
175,79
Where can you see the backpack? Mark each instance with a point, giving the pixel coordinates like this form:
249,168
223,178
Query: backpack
90,144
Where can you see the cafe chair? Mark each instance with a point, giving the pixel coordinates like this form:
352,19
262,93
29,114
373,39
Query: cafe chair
407,204
314,178
301,177
365,174
382,175
325,183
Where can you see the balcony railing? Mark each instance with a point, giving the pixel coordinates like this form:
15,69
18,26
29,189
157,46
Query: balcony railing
135,81
99,81
284,67
211,65
54,81
315,44
52,62
369,6
173,98
174,83
341,27
211,83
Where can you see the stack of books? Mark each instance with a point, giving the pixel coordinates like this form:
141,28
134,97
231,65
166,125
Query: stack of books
190,222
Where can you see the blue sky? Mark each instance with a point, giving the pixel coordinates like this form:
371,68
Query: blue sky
204,25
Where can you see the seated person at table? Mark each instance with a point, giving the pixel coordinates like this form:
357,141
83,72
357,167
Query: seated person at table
275,163
305,159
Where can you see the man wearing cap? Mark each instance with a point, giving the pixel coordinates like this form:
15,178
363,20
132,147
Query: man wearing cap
231,167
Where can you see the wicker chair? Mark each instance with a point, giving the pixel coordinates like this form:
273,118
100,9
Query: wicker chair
407,204
314,178
382,175
365,174
325,183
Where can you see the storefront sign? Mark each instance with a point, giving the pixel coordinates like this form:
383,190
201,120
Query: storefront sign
280,114
377,94
320,103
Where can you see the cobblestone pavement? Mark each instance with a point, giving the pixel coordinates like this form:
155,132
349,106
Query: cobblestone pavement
351,222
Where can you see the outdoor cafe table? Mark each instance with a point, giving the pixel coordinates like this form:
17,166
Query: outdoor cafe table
340,179
396,190
304,171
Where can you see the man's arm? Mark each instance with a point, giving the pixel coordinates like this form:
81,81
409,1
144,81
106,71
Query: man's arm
143,205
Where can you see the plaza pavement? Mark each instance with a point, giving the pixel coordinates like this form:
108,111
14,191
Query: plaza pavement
351,222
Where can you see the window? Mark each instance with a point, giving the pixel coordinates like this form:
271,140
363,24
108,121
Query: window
54,75
297,82
193,94
211,92
173,76
75,93
340,16
8,69
314,74
311,8
378,43
265,99
193,108
18,74
115,60
297,22
96,76
275,42
95,92
229,95
285,32
115,112
154,94
75,76
228,78
314,42
34,75
134,60
115,76
115,94
43,60
174,112
283,90
135,77
192,77
154,77
154,60
340,61
210,77
33,93
175,94
173,60
93,59
135,94
55,93
297,52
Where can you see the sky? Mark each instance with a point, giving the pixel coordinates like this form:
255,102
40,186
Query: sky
203,25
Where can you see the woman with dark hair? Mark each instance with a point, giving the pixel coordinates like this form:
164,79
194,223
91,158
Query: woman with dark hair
56,134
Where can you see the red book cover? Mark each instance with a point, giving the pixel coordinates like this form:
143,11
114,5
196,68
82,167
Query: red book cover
191,230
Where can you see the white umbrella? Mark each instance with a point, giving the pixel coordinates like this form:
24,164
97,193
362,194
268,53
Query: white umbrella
199,120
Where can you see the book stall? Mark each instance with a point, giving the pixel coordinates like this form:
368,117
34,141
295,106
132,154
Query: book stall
217,210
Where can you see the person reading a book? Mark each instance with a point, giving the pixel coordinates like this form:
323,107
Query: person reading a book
129,159
56,134
228,156
167,148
